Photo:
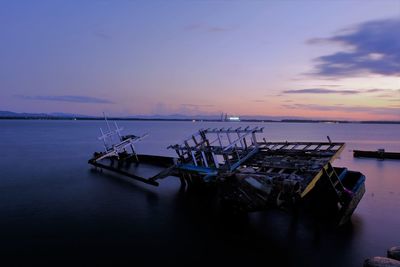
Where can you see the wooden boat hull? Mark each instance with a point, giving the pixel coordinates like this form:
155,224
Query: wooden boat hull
376,154
249,175
148,169
355,183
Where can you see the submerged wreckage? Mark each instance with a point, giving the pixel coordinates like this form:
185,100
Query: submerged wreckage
250,174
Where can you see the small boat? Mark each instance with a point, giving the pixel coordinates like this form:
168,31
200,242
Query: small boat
354,182
380,154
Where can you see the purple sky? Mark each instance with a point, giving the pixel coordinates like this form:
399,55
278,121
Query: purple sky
317,59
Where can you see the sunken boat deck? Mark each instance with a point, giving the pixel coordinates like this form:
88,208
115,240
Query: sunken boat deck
251,175
306,160
144,168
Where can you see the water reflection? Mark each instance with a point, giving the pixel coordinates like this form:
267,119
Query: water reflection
151,197
55,212
195,220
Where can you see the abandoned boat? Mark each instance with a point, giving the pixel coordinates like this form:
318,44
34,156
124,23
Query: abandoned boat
250,174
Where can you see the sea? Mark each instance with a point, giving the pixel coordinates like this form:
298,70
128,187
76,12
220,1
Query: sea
56,211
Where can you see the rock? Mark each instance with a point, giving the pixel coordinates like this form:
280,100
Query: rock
394,253
381,262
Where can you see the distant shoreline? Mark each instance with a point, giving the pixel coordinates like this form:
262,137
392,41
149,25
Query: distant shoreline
196,120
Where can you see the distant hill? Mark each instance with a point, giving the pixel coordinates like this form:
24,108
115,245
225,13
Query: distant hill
213,117
69,115
9,114
60,115
181,117
14,114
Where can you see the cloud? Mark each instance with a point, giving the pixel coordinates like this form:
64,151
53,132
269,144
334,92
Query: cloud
329,85
395,111
385,96
375,90
321,91
388,92
207,28
313,107
218,29
197,105
102,35
370,47
193,27
69,98
162,108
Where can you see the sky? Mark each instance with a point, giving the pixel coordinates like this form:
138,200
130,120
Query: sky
310,59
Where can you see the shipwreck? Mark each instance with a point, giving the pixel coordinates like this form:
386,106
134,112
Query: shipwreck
250,174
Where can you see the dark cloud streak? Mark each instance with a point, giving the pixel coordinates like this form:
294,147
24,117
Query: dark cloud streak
343,92
362,109
374,48
69,98
197,105
102,35
375,90
321,91
207,28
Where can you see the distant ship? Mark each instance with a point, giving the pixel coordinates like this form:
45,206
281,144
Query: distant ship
225,117
234,118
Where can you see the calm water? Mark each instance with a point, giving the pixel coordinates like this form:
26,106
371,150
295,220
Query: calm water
55,211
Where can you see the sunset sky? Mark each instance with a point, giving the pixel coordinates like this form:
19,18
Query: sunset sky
314,59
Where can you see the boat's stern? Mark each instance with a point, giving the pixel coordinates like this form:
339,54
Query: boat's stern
354,182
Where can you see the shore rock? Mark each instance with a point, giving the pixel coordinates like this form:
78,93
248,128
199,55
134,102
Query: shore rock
394,253
381,262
